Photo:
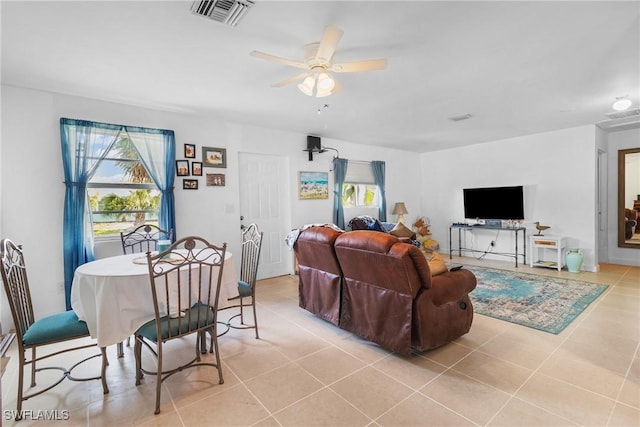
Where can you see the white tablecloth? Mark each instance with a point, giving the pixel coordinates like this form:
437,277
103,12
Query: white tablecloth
113,295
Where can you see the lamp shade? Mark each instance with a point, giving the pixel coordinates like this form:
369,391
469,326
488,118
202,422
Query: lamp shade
322,93
307,85
325,82
399,209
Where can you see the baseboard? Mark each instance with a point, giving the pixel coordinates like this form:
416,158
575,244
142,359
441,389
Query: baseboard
625,261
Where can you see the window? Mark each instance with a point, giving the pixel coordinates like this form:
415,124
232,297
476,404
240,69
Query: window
359,189
359,195
121,192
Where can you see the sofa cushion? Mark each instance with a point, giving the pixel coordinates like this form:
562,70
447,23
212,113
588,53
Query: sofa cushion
401,230
436,264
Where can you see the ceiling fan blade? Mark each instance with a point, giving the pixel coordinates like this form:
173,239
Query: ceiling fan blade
328,44
290,80
279,59
358,66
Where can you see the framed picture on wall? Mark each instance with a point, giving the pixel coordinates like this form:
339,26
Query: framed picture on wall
313,185
190,151
182,167
196,168
215,180
190,184
214,157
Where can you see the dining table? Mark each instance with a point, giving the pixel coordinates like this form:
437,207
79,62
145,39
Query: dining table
113,295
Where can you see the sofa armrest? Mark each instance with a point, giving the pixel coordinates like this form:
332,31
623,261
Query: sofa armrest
452,286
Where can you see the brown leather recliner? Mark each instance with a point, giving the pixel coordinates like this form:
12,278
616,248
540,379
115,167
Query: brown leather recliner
320,275
390,298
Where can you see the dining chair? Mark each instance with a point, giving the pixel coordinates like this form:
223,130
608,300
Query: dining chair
185,284
142,239
251,245
33,334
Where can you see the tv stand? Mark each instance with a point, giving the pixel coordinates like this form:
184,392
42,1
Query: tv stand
514,254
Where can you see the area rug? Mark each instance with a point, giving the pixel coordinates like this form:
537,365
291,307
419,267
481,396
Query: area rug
549,304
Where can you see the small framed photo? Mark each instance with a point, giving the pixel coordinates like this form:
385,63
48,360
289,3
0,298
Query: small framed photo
190,151
190,184
196,168
182,167
215,180
214,157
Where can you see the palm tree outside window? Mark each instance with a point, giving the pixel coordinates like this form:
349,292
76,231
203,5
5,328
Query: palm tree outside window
122,195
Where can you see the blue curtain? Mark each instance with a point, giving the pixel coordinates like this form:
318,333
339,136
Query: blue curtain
378,175
339,174
156,148
84,144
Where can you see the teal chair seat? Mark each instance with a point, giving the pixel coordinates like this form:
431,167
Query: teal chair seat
198,316
58,327
244,289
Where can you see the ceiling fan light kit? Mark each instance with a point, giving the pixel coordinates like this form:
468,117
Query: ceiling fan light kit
318,62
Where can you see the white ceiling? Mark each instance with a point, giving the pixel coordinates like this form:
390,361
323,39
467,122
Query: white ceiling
518,67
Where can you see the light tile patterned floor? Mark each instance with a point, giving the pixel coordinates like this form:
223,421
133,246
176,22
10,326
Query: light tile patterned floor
306,372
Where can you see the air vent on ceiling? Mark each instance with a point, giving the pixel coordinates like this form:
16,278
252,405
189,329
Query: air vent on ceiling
620,118
228,12
460,117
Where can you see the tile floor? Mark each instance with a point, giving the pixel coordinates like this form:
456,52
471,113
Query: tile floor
305,372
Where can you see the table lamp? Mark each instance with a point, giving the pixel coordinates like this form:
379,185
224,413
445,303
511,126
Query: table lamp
400,209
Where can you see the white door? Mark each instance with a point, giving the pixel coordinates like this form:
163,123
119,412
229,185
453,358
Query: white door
264,201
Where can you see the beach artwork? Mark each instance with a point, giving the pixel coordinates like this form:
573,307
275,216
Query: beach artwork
313,185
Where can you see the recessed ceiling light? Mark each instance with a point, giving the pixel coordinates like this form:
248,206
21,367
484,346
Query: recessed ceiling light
622,103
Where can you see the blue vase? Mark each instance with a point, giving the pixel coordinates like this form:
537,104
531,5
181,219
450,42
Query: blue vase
573,260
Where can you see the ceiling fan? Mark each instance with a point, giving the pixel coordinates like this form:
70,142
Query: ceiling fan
318,65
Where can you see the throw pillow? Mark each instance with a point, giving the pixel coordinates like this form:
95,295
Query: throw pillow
437,264
401,230
376,226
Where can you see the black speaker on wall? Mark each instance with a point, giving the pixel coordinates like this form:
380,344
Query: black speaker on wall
313,144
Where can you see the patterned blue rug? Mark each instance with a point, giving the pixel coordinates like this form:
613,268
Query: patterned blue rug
549,304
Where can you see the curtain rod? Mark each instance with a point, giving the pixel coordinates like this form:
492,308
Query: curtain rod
362,162
337,156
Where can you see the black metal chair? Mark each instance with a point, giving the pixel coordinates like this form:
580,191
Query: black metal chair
144,238
185,284
32,334
251,245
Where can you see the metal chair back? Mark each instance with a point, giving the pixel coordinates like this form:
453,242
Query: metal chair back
143,238
16,285
251,246
186,276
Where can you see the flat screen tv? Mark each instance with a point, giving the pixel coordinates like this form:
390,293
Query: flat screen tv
494,203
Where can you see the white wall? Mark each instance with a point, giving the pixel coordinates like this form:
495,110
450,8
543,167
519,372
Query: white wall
619,140
556,168
33,189
557,172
